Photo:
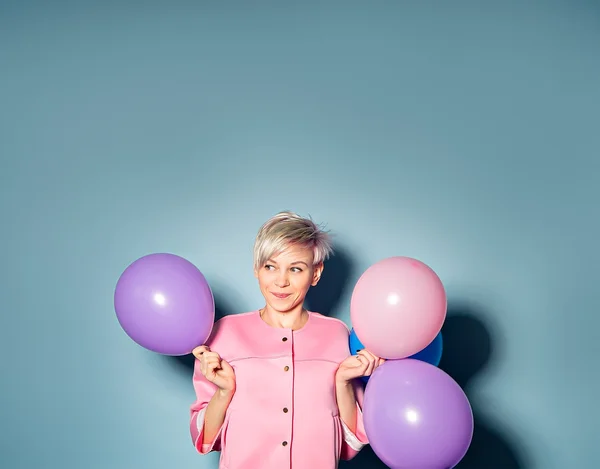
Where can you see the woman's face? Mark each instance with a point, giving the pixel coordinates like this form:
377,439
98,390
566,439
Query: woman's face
285,279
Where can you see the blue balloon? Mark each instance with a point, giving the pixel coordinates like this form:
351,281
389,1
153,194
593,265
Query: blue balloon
431,354
355,346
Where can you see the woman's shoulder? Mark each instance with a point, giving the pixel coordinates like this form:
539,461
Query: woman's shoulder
226,329
334,325
333,336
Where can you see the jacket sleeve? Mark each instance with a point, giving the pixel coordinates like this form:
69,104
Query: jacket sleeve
204,391
353,442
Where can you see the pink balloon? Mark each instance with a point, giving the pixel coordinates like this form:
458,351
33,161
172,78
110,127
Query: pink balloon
398,307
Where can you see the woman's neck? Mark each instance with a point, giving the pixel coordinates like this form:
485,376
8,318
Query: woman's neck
294,319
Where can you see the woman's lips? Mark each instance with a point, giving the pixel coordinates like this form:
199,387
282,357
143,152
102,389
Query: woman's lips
281,296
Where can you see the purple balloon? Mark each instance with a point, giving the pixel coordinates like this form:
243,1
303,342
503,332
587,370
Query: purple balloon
416,416
164,303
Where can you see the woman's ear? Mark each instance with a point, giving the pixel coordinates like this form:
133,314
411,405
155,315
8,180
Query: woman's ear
318,271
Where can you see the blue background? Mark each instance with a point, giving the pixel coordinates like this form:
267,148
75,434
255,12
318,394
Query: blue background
465,134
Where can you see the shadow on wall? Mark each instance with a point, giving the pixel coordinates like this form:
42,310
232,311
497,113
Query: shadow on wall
325,297
467,349
468,345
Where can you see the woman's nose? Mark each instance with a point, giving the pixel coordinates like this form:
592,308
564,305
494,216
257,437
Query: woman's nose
282,280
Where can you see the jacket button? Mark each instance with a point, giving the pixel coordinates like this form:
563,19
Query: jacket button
284,339
286,368
285,409
284,443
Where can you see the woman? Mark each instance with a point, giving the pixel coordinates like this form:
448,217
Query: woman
276,388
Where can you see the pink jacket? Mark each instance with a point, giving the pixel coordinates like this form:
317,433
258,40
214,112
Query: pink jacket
284,412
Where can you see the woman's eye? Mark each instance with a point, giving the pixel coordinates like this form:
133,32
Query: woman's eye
269,267
296,269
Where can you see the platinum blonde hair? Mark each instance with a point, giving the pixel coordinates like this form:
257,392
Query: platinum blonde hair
288,228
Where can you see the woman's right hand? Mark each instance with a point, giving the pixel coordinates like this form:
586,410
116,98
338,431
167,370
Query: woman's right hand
215,369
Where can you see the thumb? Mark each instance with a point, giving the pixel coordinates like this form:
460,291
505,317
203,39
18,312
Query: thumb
226,366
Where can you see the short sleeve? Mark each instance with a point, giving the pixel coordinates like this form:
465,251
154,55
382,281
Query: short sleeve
353,442
204,391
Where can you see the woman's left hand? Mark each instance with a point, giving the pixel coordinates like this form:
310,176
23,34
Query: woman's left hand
357,366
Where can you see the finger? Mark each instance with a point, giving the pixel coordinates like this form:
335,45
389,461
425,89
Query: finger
225,365
370,367
199,351
211,369
212,362
211,356
361,357
364,363
204,364
378,360
369,356
207,361
357,362
371,359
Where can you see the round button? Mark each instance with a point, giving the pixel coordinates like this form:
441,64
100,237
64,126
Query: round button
285,409
286,368
284,443
284,339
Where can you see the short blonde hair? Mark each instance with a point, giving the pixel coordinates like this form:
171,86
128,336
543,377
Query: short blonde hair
288,228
